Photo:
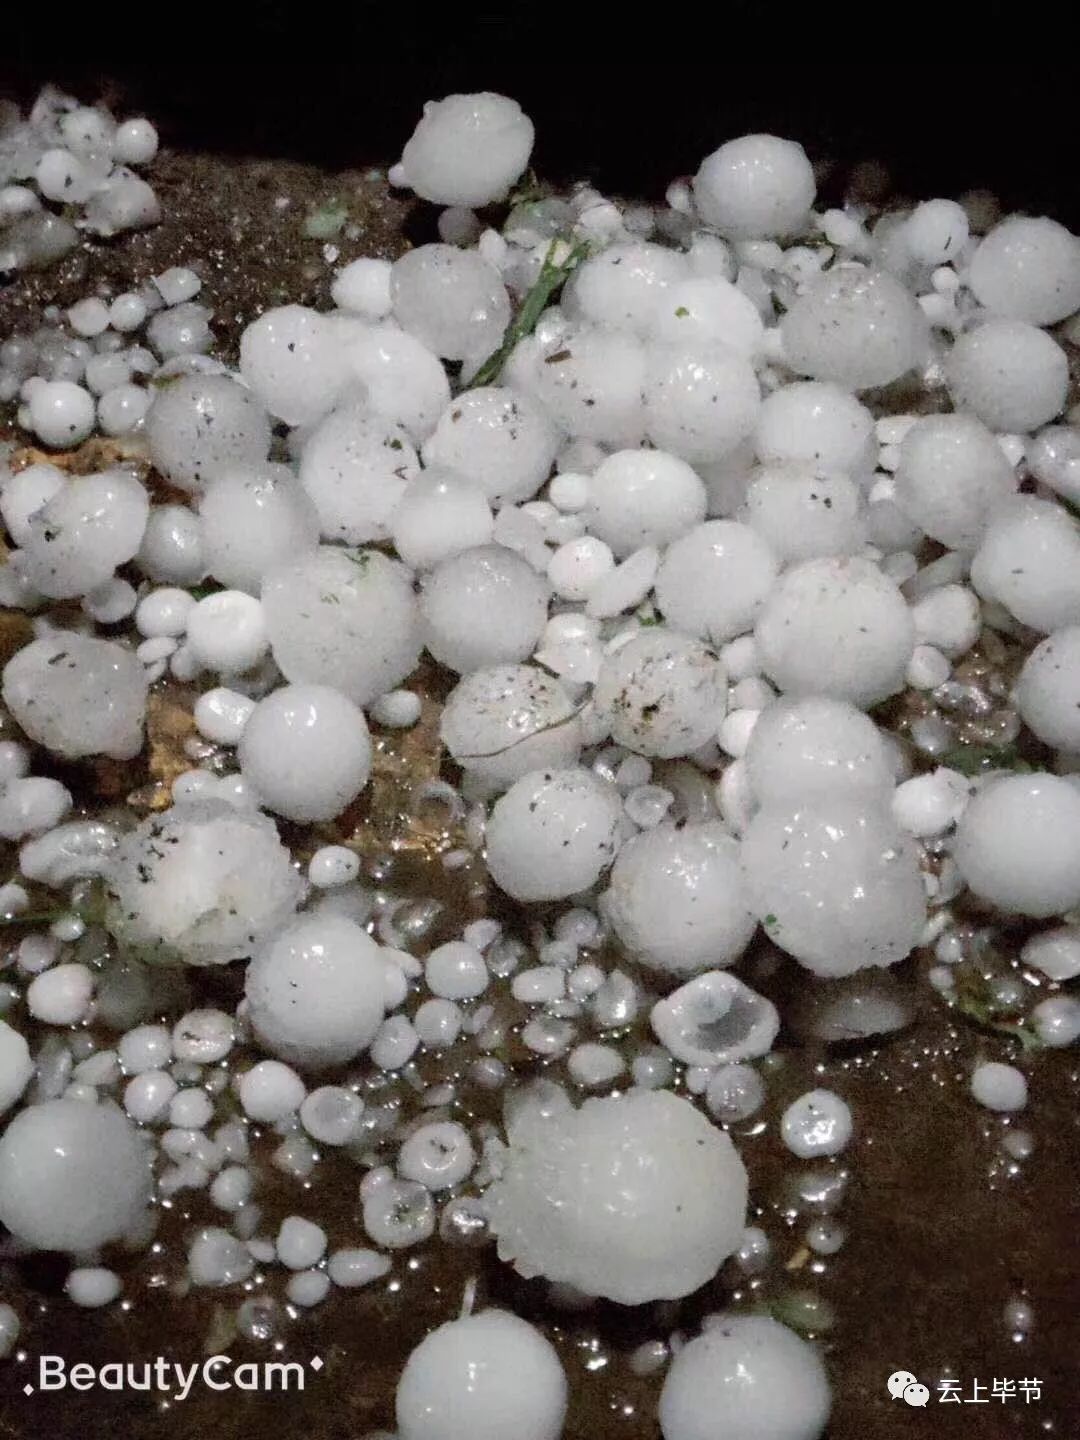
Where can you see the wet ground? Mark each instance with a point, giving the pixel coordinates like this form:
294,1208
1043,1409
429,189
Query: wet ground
943,1229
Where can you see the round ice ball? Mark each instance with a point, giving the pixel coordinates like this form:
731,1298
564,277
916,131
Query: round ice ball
199,422
1027,269
201,883
306,752
1013,376
708,309
355,467
467,149
485,606
701,399
315,991
643,497
803,512
857,327
634,1198
1029,561
952,475
482,1377
440,513
171,552
935,232
254,518
662,693
714,579
73,1175
816,748
505,720
755,187
78,696
1018,844
746,1378
405,383
293,359
621,287
838,627
451,299
77,539
677,900
834,882
553,834
498,438
817,422
1048,691
1052,457
589,381
16,1066
343,618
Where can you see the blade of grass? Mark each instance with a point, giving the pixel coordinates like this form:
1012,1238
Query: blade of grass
552,277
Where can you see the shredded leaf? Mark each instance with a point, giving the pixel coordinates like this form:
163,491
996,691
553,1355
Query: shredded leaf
553,276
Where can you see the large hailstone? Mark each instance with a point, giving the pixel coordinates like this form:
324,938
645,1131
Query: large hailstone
952,475
755,187
857,327
1048,692
73,1175
500,439
355,466
1018,844
1029,561
253,518
746,1378
816,748
1027,269
294,360
503,721
701,399
835,883
466,150
405,383
621,287
553,834
643,497
1013,376
78,696
348,619
316,991
306,751
198,423
482,1377
661,693
201,883
633,1198
837,627
481,607
16,1066
714,579
802,511
677,900
451,299
76,540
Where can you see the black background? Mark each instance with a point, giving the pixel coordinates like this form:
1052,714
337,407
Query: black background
950,98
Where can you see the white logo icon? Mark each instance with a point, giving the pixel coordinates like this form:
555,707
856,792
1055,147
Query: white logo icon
904,1386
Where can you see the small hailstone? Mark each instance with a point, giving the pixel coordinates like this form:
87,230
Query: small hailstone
307,1288
221,714
1047,695
816,1124
177,284
439,1155
747,1377
216,1258
929,804
226,632
659,1231
734,1093
333,865
171,552
935,231
999,1087
331,1115
735,731
538,986
593,1066
315,991
1056,953
352,1268
715,1019
399,1214
91,1287
1057,1020
148,1095
127,313
191,1109
73,1176
146,1047
203,1036
648,805
927,669
578,566
31,806
122,408
569,492
305,750
89,317
456,971
395,1043
438,1023
676,899
62,995
397,709
16,1067
363,288
300,1243
14,761
231,1188
61,413
948,618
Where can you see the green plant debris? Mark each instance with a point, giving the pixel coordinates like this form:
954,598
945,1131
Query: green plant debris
327,221
975,759
553,276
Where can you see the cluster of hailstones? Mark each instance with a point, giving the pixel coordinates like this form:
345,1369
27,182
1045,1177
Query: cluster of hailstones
674,560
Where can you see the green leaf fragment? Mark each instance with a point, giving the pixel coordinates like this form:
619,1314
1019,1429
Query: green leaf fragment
552,277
